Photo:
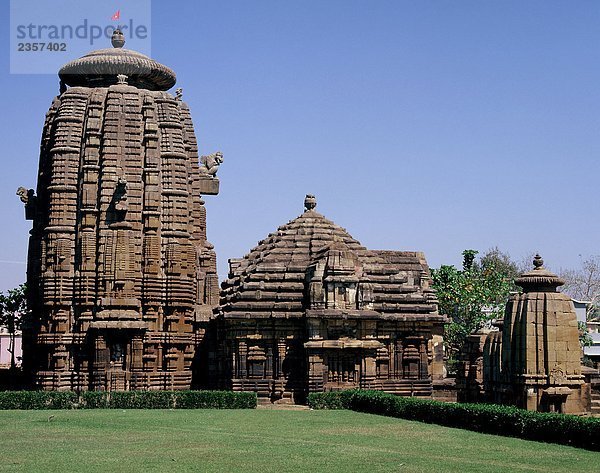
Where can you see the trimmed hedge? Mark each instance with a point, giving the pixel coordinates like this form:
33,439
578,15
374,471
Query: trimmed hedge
331,400
214,400
94,400
38,400
140,400
582,432
127,400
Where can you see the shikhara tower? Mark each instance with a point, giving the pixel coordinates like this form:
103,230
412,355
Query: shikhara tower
121,276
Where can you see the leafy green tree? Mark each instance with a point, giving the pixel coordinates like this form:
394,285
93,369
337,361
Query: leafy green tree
474,295
13,307
502,262
585,339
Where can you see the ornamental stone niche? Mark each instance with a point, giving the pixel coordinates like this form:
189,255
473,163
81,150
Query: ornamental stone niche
534,361
121,276
310,309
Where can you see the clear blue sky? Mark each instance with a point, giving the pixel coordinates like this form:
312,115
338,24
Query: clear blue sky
419,125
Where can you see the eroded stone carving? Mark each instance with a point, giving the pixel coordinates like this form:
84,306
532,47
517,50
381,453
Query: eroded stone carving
25,194
212,162
29,198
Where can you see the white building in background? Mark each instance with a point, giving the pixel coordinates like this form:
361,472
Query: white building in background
5,356
593,351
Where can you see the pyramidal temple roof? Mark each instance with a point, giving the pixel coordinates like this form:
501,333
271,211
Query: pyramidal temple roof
271,280
294,244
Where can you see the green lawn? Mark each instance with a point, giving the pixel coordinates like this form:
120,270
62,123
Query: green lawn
263,441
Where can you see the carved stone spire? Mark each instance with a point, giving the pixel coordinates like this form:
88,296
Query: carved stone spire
118,256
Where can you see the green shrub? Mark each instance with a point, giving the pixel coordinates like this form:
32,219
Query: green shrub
38,400
583,432
140,400
331,400
214,400
94,400
127,400
180,400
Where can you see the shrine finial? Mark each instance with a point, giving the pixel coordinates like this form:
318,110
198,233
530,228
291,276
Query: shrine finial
310,202
117,39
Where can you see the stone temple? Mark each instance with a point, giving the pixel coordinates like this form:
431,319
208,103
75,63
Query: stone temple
123,288
124,293
534,361
122,278
310,309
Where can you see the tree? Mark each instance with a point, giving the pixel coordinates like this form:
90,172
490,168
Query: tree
584,284
502,262
13,307
474,295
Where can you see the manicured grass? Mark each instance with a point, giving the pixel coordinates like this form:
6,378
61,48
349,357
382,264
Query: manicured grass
263,441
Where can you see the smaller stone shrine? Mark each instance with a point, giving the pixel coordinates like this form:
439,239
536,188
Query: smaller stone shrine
310,309
534,361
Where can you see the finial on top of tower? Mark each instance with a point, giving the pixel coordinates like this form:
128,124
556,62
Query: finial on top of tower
310,202
117,39
539,279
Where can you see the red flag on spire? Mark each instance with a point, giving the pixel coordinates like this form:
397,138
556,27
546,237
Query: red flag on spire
116,16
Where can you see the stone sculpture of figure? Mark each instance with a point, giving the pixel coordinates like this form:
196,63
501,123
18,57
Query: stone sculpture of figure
29,199
211,163
25,194
120,196
178,93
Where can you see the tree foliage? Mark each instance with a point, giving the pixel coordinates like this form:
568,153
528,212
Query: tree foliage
502,262
13,306
583,284
473,295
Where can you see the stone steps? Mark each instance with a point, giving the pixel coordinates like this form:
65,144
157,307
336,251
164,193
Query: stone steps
595,404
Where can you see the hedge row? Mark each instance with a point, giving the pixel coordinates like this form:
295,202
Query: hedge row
582,432
38,400
127,400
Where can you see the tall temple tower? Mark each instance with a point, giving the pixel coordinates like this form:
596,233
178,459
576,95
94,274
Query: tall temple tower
120,274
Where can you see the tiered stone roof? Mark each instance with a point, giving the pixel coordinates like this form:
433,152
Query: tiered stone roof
271,280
